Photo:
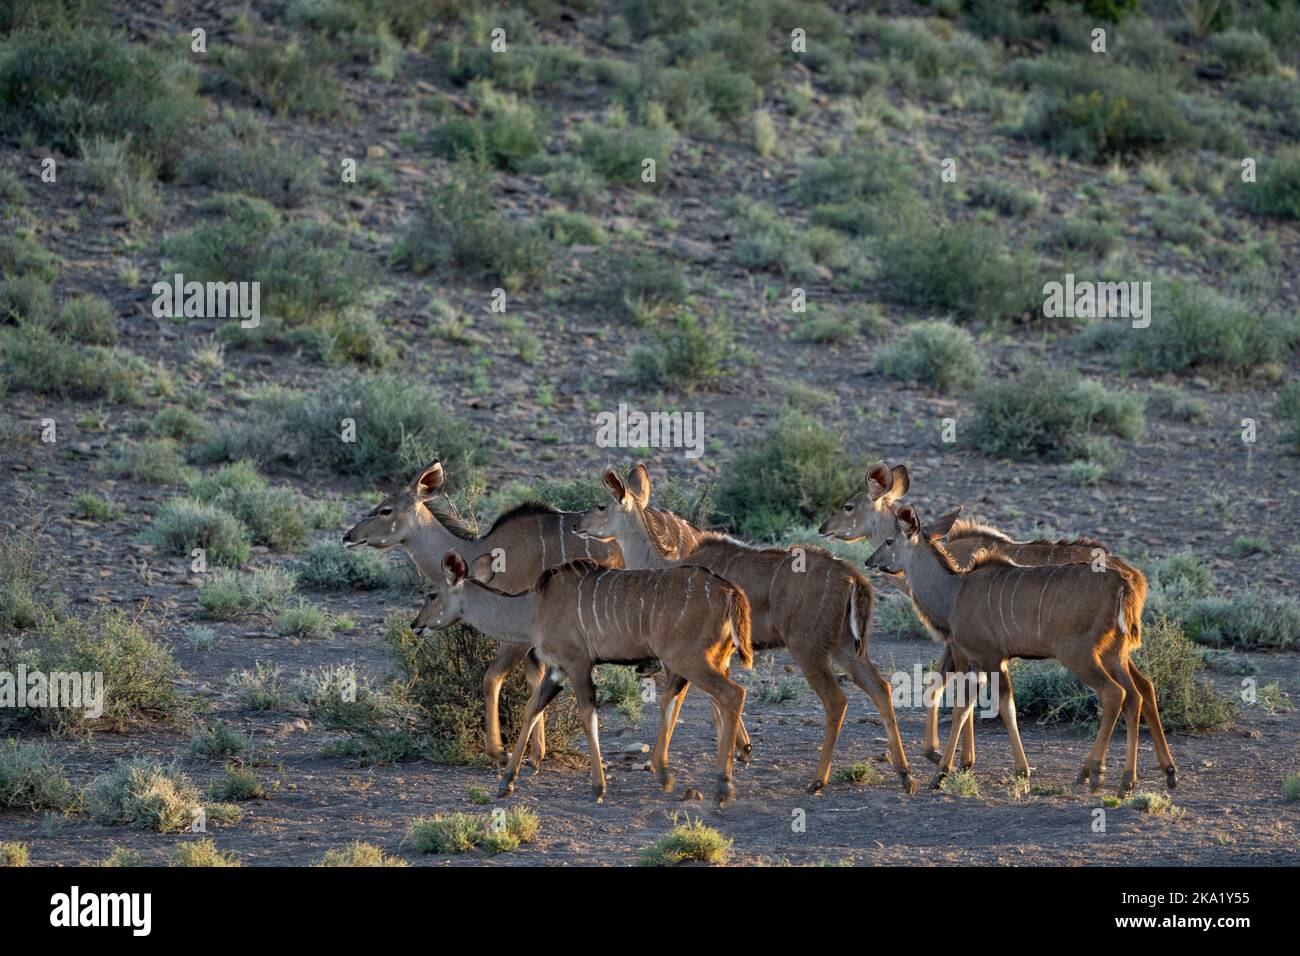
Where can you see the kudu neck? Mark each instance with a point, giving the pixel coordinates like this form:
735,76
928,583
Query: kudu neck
638,546
933,583
431,540
507,617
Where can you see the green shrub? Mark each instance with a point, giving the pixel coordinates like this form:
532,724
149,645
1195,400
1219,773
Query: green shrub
359,854
504,132
399,428
23,578
1245,53
1096,112
447,833
1006,196
139,673
308,621
275,516
768,240
960,268
184,524
239,784
1250,620
330,566
202,853
238,155
219,740
26,299
619,687
127,181
459,228
797,471
179,424
227,595
14,854
1291,788
1276,191
862,774
636,283
85,505
939,355
1050,414
34,359
617,151
66,86
687,354
1196,329
1287,410
306,268
142,794
155,460
21,254
54,14
896,616
286,78
573,228
87,319
692,842
32,777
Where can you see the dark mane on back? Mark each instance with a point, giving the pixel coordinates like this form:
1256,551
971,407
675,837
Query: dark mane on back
522,510
1082,543
583,565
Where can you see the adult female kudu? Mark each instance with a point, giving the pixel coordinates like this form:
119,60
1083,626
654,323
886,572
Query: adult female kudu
528,540
580,615
1082,617
803,599
870,516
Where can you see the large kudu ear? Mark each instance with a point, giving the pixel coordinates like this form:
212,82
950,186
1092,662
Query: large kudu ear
942,525
900,481
638,483
430,481
615,484
879,479
481,570
909,519
453,567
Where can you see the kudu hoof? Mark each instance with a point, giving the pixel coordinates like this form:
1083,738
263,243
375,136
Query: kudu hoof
507,787
909,783
816,786
933,756
938,780
1096,774
1024,773
967,766
1171,778
667,780
726,792
498,757
598,791
1125,789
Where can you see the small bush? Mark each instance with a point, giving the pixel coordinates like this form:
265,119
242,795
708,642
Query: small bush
277,517
960,268
447,833
1245,53
399,427
1005,196
124,179
330,566
142,794
896,616
14,854
689,842
359,854
156,460
1251,620
961,783
87,319
238,155
219,740
286,79
228,595
23,579
504,132
617,151
21,254
796,472
769,240
202,853
619,687
239,784
862,774
936,354
459,228
1156,804
687,355
1287,410
63,86
184,524
26,299
1291,788
34,359
306,620
85,505
1048,414
636,283
179,424
1276,191
32,777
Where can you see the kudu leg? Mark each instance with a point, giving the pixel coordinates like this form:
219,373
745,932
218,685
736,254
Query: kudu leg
952,664
960,715
1133,706
1152,715
1111,696
670,707
534,671
507,658
1007,711
817,671
744,746
546,690
865,674
585,690
729,700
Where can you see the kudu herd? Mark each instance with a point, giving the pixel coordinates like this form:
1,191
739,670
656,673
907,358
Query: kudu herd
626,583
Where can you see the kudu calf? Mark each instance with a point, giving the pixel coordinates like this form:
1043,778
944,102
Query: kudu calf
580,614
871,516
528,540
994,610
803,599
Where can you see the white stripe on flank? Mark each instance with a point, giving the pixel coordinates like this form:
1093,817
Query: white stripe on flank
563,557
853,615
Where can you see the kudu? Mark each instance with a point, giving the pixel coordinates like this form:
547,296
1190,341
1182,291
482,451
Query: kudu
528,539
1086,618
581,614
803,599
870,516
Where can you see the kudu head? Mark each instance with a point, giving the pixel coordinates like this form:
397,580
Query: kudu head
395,518
905,538
446,606
624,516
870,515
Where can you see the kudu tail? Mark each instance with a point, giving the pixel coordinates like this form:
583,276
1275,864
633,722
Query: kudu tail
738,619
1133,601
862,602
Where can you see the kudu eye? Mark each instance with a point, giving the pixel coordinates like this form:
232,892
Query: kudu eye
889,541
384,512
848,508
